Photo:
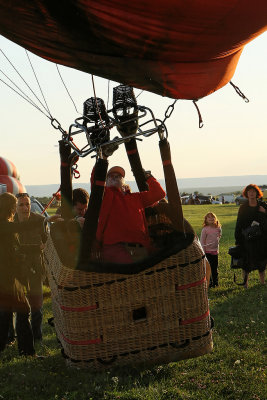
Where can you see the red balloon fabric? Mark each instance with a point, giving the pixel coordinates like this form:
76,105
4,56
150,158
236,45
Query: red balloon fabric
176,48
8,168
13,185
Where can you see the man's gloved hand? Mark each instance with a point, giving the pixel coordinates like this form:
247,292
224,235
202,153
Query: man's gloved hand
109,149
147,174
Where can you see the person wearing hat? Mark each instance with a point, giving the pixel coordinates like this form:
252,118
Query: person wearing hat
122,230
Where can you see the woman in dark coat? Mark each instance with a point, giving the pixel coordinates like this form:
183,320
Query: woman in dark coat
253,249
12,297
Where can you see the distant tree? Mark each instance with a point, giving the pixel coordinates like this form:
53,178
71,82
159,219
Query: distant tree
237,193
45,200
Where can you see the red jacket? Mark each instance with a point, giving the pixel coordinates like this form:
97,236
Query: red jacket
122,216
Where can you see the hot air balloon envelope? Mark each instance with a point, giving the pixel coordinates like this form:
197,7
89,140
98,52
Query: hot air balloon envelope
176,48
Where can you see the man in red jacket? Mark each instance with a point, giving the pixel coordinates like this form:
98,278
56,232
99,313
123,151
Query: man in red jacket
122,228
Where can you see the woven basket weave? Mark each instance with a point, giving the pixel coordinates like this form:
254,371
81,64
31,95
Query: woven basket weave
156,316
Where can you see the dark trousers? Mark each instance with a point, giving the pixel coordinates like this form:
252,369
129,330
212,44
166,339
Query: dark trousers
36,323
35,297
23,328
213,260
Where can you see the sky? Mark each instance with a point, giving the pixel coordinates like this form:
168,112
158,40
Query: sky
233,140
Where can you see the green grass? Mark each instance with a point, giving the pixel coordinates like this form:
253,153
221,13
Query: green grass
235,370
52,210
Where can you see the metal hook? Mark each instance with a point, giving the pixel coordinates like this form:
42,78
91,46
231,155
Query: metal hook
238,91
200,120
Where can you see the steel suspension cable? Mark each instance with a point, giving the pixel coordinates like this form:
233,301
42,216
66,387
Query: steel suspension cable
16,70
47,108
25,98
139,94
67,89
54,122
100,118
13,83
108,93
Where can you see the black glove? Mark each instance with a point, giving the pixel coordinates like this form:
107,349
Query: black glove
109,149
147,174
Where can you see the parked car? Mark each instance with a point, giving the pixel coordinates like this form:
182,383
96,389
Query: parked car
215,201
227,198
37,207
204,199
197,199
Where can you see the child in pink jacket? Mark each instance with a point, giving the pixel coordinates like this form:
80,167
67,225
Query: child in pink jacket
210,237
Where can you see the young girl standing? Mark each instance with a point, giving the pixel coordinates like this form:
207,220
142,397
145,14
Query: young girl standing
210,237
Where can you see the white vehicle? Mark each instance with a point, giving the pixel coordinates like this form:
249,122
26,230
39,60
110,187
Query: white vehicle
204,199
37,207
227,198
216,202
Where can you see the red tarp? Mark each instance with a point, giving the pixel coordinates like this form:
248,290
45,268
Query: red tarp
177,48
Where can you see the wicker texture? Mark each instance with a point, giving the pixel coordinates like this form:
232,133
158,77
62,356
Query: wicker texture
156,316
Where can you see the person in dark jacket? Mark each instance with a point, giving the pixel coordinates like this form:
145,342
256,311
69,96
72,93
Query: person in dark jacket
32,266
254,249
12,297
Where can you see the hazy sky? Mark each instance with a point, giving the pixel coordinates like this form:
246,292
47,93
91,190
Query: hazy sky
233,140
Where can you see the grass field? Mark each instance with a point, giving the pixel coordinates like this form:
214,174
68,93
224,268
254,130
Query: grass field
235,370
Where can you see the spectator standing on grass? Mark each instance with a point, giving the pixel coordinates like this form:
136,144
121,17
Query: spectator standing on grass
12,297
32,268
210,237
252,216
191,201
197,201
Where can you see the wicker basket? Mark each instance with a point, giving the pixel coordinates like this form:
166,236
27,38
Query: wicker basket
156,316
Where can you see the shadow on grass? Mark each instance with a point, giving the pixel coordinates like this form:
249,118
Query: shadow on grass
238,315
240,310
52,379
